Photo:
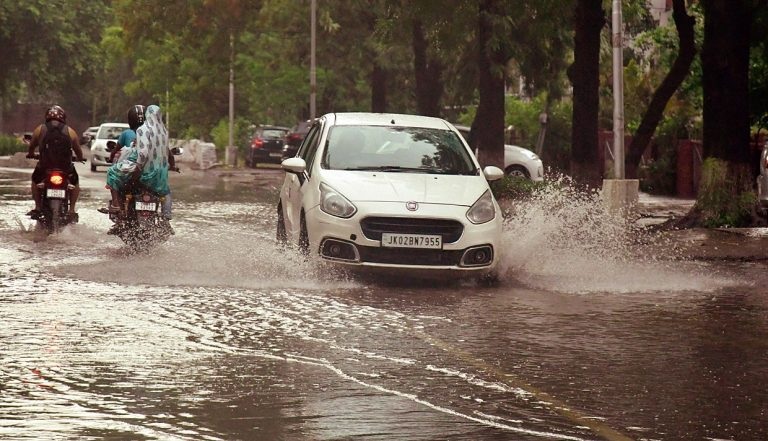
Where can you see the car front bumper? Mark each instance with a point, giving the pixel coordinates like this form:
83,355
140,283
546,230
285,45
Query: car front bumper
100,157
454,259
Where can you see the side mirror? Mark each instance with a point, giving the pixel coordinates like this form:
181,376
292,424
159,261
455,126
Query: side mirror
492,173
176,151
294,165
111,146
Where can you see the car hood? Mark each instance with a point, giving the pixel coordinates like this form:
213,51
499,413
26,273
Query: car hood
404,187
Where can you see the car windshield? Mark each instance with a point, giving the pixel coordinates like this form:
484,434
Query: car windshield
273,133
396,149
110,132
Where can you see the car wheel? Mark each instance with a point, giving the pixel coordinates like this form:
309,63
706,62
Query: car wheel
280,235
93,167
304,237
517,171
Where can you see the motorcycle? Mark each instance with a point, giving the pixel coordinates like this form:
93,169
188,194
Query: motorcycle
55,192
140,223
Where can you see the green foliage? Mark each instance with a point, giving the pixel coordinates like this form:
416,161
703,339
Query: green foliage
516,188
659,175
242,129
48,49
10,145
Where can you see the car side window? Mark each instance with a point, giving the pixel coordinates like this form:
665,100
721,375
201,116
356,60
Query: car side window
312,146
306,143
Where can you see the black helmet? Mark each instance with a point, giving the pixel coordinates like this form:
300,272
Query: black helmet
136,116
56,113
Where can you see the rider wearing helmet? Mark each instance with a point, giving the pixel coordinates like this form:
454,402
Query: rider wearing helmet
135,119
55,120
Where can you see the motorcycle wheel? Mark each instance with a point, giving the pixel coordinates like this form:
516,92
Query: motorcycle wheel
56,220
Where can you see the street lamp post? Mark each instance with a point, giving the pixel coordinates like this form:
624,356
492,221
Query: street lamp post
230,154
618,90
619,194
312,67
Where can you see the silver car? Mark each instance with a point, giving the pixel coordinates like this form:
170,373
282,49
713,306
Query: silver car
762,180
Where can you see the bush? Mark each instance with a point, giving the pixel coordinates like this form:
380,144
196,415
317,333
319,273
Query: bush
10,145
516,188
240,135
659,176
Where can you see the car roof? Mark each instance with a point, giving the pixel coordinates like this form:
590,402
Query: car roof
268,127
114,125
388,119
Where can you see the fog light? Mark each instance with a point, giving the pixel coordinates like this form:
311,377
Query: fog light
477,256
339,250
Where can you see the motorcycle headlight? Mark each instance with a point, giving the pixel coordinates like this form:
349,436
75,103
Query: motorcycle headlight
334,203
482,210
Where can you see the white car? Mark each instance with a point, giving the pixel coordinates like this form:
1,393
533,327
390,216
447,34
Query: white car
762,180
87,137
388,192
518,161
99,153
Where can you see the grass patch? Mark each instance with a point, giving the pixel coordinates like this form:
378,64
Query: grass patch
10,145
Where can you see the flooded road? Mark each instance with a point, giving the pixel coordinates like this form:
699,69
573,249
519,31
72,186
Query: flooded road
219,335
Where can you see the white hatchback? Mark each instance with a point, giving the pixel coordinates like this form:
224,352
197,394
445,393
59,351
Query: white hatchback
99,153
383,192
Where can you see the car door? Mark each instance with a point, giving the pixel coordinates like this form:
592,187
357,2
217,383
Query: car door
296,185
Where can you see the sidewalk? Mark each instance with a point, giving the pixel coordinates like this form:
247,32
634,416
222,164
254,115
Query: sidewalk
730,244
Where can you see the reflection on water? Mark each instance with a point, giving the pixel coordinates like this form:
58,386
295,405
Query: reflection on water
218,334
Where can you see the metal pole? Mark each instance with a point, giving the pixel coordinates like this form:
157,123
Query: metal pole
227,156
312,68
618,91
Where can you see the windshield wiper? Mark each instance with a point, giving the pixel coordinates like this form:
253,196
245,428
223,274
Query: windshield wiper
388,168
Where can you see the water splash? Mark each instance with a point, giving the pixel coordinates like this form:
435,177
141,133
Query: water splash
567,240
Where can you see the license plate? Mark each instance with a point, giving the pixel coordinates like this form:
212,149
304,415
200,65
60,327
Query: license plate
55,193
392,240
275,155
145,206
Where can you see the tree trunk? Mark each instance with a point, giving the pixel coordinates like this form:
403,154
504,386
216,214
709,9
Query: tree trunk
488,126
724,194
687,51
428,73
378,89
584,75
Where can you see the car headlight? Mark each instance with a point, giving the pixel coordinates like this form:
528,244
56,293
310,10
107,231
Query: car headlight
482,210
334,203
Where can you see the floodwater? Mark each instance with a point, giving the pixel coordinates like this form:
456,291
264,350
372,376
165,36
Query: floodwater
219,335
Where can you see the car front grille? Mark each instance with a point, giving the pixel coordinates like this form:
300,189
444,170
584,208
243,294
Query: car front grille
373,227
410,256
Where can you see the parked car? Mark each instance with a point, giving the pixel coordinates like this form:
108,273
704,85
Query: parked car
391,193
266,145
518,161
762,180
99,152
87,137
294,138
